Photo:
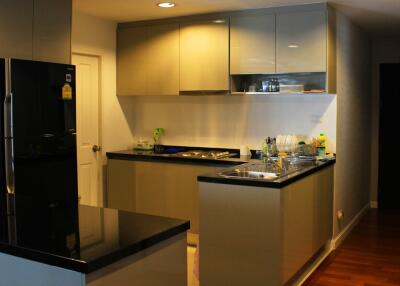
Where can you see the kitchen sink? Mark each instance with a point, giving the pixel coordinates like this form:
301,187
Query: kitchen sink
260,171
237,173
267,171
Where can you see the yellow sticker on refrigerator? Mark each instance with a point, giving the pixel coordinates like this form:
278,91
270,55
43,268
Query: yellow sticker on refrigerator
66,92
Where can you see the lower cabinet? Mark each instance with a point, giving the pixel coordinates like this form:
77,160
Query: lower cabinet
157,188
263,235
162,264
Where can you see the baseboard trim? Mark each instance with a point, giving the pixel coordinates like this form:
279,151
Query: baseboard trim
314,265
374,204
331,245
345,232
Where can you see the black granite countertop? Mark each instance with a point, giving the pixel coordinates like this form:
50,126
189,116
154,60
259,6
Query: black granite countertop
57,234
284,179
172,157
233,162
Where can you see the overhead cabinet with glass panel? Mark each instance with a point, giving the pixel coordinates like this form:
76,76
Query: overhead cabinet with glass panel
295,45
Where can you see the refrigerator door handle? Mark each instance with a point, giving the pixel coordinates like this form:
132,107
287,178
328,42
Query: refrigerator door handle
8,108
9,139
9,148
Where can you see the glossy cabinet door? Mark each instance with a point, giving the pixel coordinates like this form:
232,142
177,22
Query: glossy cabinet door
131,61
163,60
252,44
148,60
52,31
16,18
204,56
301,42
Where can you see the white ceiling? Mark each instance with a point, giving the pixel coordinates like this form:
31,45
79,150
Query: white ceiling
380,17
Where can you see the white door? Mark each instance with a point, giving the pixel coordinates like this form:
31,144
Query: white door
87,122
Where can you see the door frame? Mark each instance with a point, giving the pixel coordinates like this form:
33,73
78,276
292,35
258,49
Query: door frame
101,184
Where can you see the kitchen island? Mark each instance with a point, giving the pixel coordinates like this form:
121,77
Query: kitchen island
58,243
258,227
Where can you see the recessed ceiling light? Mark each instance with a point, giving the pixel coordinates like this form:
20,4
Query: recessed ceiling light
219,21
293,46
166,4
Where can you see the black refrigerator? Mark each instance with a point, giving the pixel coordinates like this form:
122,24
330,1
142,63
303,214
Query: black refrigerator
38,170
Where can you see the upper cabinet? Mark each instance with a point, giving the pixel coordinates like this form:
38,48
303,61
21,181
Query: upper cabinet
301,42
236,53
36,30
204,56
16,18
52,31
131,61
148,60
163,60
252,44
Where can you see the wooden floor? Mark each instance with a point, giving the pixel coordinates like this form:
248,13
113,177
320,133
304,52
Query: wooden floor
369,256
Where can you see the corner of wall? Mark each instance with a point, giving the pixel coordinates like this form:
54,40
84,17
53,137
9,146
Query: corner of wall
352,190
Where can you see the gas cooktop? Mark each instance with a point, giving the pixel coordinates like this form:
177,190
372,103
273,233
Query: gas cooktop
205,154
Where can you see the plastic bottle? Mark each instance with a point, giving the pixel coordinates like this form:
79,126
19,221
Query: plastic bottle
277,85
322,144
264,147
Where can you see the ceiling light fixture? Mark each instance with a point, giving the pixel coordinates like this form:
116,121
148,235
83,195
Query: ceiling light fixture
219,21
166,4
293,46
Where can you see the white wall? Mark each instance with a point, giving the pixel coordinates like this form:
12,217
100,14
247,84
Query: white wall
232,121
352,184
94,36
384,50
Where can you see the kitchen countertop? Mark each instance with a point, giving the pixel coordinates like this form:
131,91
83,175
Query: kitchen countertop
280,182
229,162
173,158
56,234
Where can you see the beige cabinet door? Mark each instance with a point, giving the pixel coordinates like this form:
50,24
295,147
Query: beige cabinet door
301,42
16,18
252,44
131,61
204,56
162,60
148,60
52,31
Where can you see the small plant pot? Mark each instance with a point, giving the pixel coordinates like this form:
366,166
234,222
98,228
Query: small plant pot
158,148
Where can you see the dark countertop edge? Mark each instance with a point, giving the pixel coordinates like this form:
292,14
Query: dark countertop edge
44,257
172,159
261,183
88,267
137,247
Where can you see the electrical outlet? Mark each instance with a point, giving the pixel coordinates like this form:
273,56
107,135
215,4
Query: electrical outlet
340,214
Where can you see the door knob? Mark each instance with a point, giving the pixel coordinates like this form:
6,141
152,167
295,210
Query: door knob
96,148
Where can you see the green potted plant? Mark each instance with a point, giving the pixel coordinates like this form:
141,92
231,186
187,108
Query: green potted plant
157,133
